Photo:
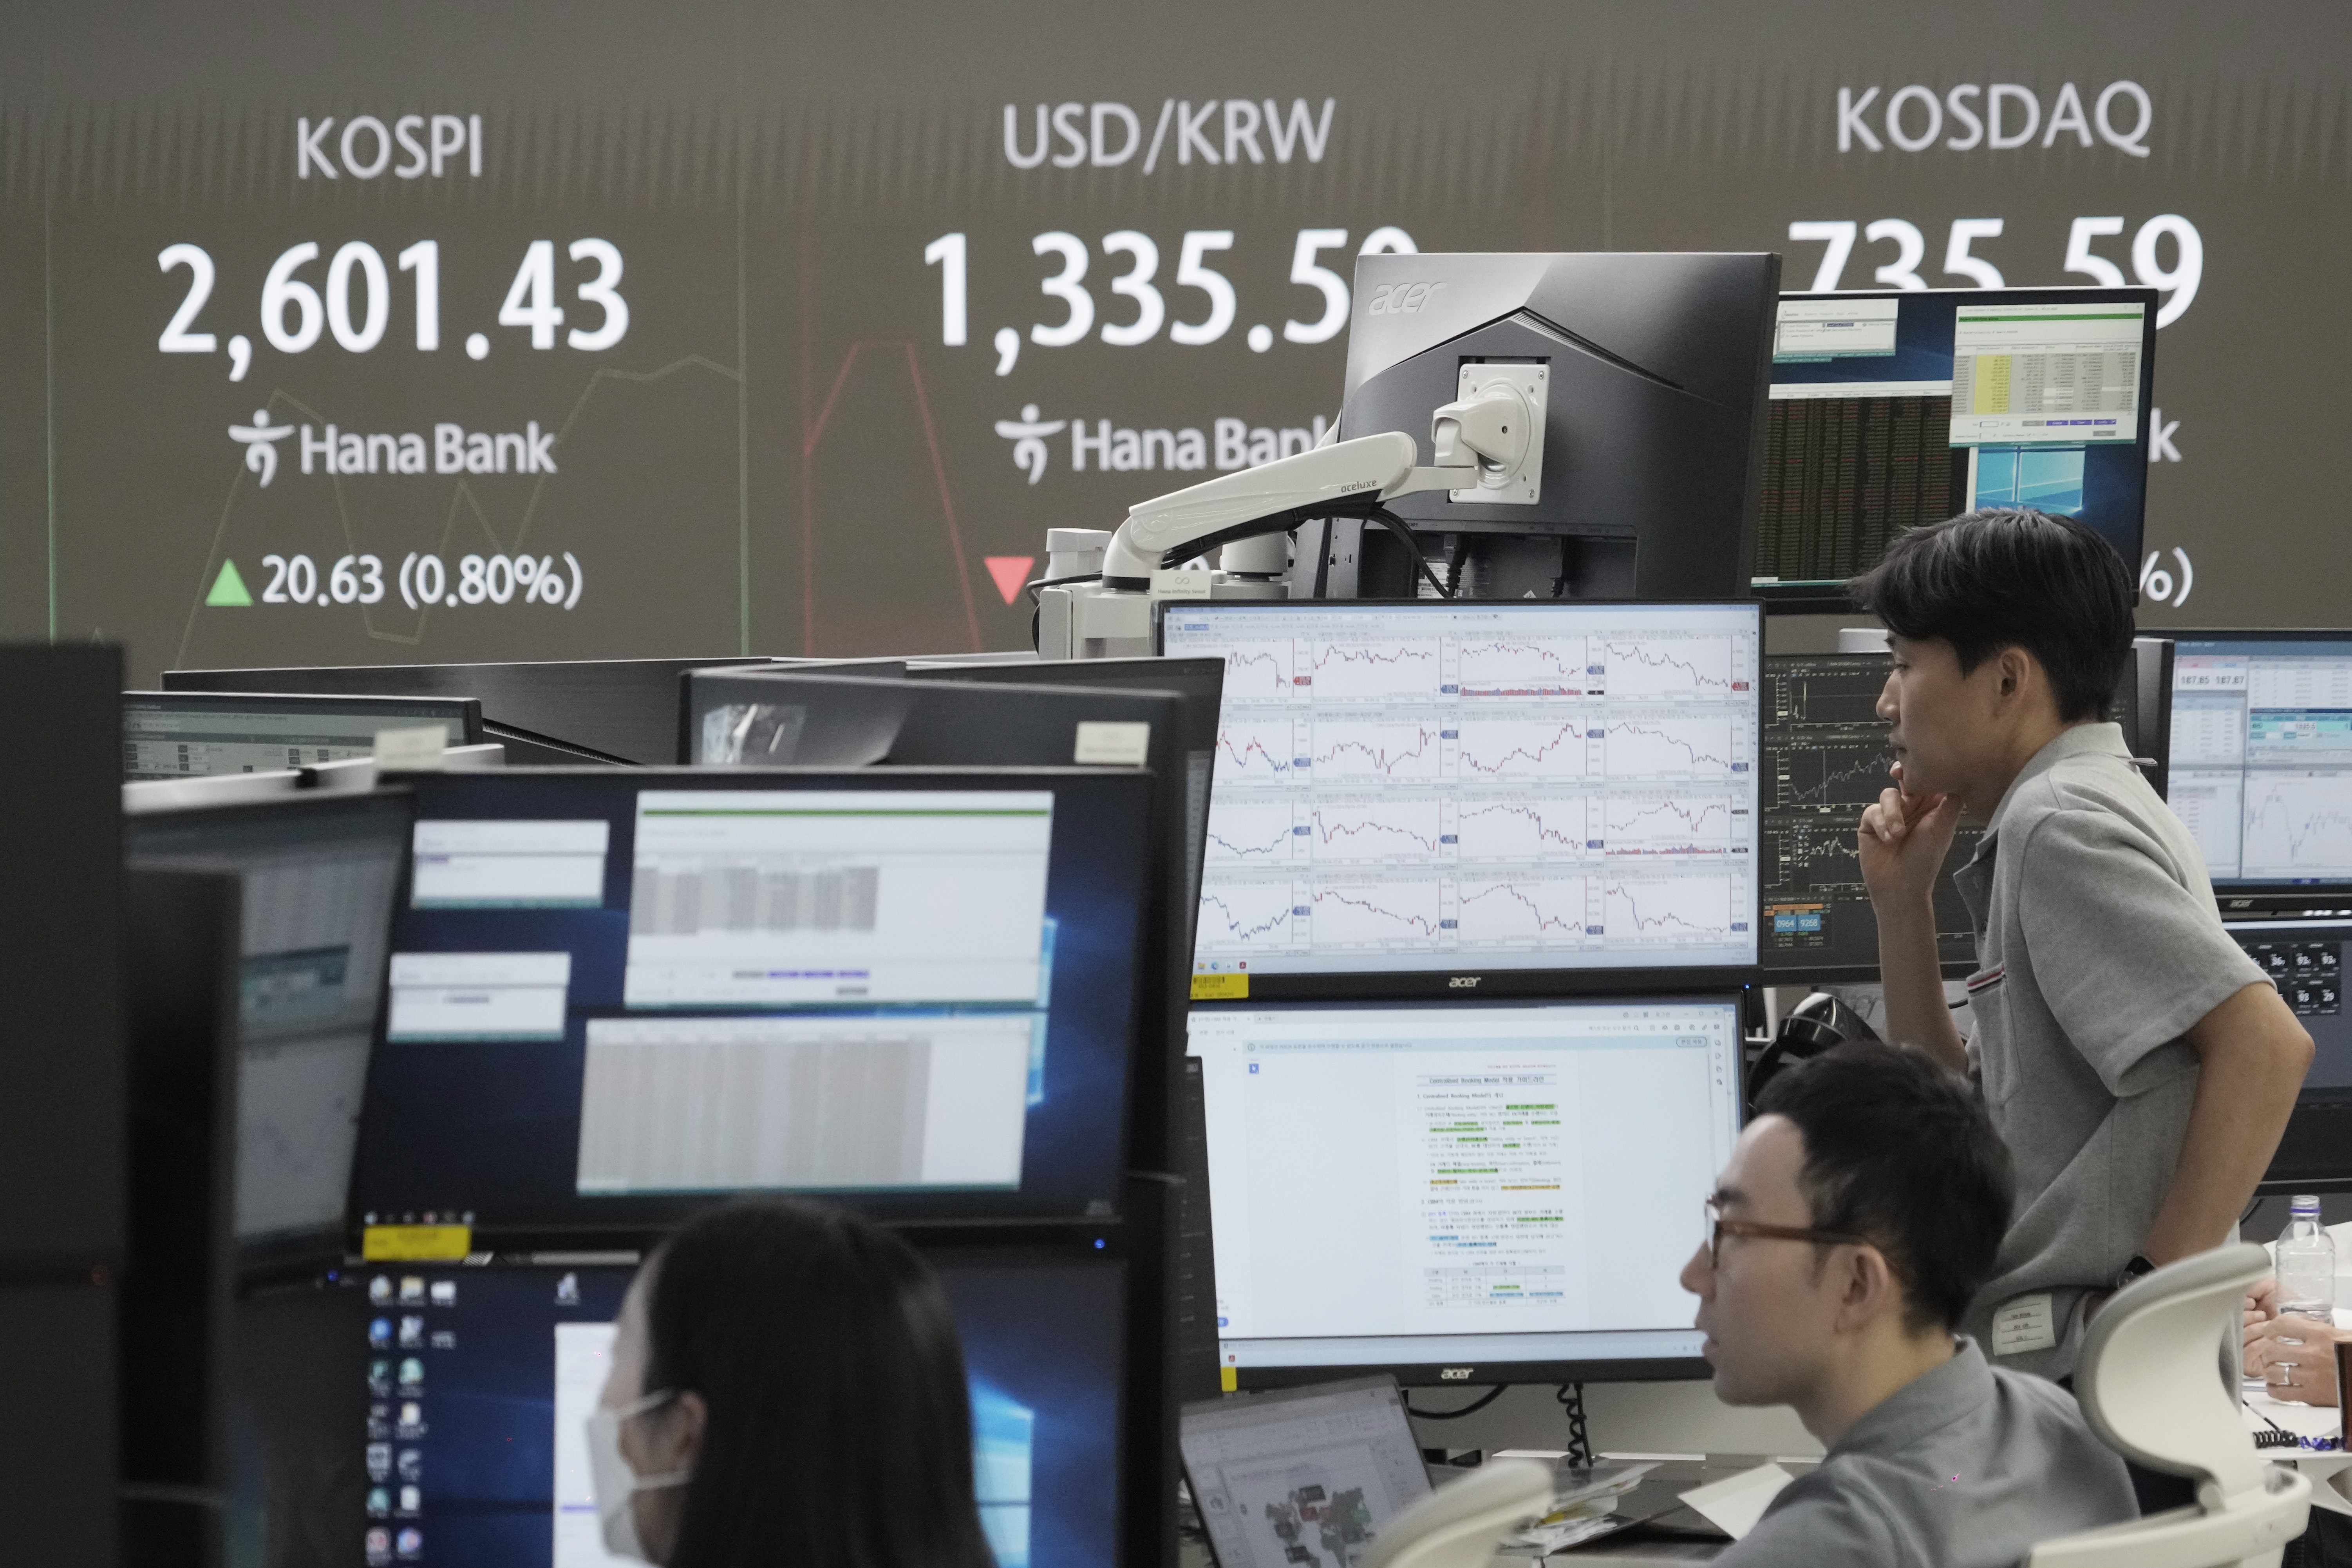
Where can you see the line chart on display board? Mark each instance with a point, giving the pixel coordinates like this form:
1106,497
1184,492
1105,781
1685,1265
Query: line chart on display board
1256,752
1670,667
1378,750
1498,747
1521,909
1252,832
1393,911
1672,747
2297,827
1260,671
1520,829
1380,830
1382,671
1665,908
1248,915
1525,667
1671,825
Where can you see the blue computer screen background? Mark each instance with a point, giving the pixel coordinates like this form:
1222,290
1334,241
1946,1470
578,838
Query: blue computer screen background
1040,1338
2114,489
491,1128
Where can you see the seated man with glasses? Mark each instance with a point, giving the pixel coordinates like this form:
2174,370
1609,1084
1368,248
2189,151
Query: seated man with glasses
1860,1212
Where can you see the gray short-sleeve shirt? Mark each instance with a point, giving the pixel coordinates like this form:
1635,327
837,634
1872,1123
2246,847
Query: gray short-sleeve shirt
1968,1465
2098,946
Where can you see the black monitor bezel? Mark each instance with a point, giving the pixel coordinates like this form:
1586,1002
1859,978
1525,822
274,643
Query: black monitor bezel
2247,899
1456,1374
1822,597
280,1255
652,1215
1400,984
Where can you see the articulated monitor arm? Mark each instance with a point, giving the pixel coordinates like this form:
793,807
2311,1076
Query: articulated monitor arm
1488,432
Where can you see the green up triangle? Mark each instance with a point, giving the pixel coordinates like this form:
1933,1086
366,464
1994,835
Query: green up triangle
228,588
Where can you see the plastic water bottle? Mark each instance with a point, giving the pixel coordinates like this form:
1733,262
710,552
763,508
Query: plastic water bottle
2306,1263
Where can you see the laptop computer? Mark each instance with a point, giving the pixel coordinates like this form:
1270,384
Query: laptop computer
1303,1478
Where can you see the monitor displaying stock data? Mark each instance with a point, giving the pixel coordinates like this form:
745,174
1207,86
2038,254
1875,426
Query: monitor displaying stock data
184,734
2262,754
1825,759
1433,787
480,1382
1424,1187
1898,407
614,995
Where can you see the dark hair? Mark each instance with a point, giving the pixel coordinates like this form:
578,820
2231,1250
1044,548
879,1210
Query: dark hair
840,1428
2007,577
1900,1150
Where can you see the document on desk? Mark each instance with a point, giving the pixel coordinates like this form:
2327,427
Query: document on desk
1733,1506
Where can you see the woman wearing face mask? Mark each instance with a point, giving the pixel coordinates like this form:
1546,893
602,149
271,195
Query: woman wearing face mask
786,1389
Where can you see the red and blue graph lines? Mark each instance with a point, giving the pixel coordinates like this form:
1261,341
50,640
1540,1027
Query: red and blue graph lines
1252,755
1243,668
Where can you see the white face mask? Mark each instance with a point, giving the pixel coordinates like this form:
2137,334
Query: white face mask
615,1483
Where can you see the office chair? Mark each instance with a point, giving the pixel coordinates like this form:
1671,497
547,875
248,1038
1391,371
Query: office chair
1459,1525
2148,1388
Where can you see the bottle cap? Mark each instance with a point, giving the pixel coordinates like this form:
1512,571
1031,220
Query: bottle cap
2305,1202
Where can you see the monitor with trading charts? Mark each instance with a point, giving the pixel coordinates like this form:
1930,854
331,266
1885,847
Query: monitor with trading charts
480,1382
617,995
317,875
1463,1191
1898,407
1541,792
2262,756
1825,758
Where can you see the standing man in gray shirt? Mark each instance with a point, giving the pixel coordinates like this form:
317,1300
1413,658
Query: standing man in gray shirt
2137,1064
1859,1212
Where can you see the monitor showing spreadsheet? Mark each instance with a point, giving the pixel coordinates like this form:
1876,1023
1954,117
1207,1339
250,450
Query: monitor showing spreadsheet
1437,786
2262,754
1896,407
1425,1187
614,995
186,734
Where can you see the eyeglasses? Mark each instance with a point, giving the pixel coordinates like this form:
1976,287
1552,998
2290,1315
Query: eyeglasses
1717,1227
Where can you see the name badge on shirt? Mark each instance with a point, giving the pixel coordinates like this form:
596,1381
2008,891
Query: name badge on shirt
2024,1323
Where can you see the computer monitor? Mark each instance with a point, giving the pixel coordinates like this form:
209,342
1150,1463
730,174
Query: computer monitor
617,996
1464,1192
1650,372
317,875
1200,682
559,712
1898,407
1526,797
183,734
1303,1475
1825,759
480,1381
2261,762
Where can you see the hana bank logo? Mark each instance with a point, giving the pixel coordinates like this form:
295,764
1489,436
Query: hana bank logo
261,438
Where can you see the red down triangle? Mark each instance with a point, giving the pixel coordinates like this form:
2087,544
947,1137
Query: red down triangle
1009,572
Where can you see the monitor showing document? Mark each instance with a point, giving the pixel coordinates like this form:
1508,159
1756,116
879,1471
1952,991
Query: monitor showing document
1437,787
614,995
1427,1188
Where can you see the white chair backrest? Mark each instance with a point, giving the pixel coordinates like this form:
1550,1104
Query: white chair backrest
2146,1377
2149,1387
1460,1524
